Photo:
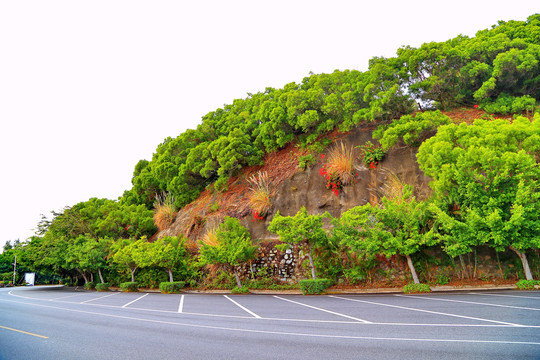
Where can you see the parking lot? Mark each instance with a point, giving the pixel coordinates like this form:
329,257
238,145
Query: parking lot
493,323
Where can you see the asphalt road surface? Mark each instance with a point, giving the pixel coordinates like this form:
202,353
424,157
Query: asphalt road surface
58,323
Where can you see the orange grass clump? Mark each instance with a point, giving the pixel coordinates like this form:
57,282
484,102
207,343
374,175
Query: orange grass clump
164,211
340,162
261,191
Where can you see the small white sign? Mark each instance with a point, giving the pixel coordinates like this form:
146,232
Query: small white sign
30,278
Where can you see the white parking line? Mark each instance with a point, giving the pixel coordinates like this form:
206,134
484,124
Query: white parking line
65,297
284,333
243,308
426,311
328,311
505,295
469,302
101,297
137,299
181,305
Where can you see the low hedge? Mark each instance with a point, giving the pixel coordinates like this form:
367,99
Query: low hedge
240,290
527,284
416,288
102,286
171,287
314,286
89,285
129,287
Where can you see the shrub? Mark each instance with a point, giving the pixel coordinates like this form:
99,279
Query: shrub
240,290
371,155
413,130
506,104
314,286
527,284
305,161
171,287
89,285
129,287
102,286
416,288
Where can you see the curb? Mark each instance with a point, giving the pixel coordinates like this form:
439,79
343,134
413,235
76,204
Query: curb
373,291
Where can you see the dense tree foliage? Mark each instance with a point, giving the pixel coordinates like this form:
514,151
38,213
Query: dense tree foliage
487,178
500,65
398,226
301,229
233,248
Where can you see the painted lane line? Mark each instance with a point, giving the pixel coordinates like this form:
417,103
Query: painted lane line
242,307
470,302
101,297
515,296
181,305
65,297
324,310
131,302
426,311
24,332
281,333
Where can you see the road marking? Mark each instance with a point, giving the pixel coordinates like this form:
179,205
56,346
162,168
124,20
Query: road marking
181,305
24,332
268,332
137,299
242,307
426,311
282,319
516,296
101,297
328,311
469,302
65,297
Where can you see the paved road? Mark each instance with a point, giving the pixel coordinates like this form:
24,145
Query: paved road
58,323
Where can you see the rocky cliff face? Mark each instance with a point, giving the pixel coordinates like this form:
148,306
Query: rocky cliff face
296,188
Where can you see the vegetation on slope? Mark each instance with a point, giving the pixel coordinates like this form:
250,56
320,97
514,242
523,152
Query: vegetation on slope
485,174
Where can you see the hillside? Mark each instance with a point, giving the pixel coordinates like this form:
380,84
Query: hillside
427,160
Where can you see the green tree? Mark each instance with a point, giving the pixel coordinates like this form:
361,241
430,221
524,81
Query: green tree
233,248
169,253
131,254
486,177
398,226
302,229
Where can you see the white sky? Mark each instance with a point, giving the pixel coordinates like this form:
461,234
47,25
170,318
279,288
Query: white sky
88,88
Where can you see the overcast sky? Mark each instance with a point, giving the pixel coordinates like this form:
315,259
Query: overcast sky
88,88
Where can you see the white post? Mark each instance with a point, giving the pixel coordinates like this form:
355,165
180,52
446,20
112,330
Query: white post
14,270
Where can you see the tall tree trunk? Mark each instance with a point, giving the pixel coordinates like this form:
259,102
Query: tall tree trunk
100,275
83,275
170,275
464,272
237,277
413,271
523,258
133,273
310,257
